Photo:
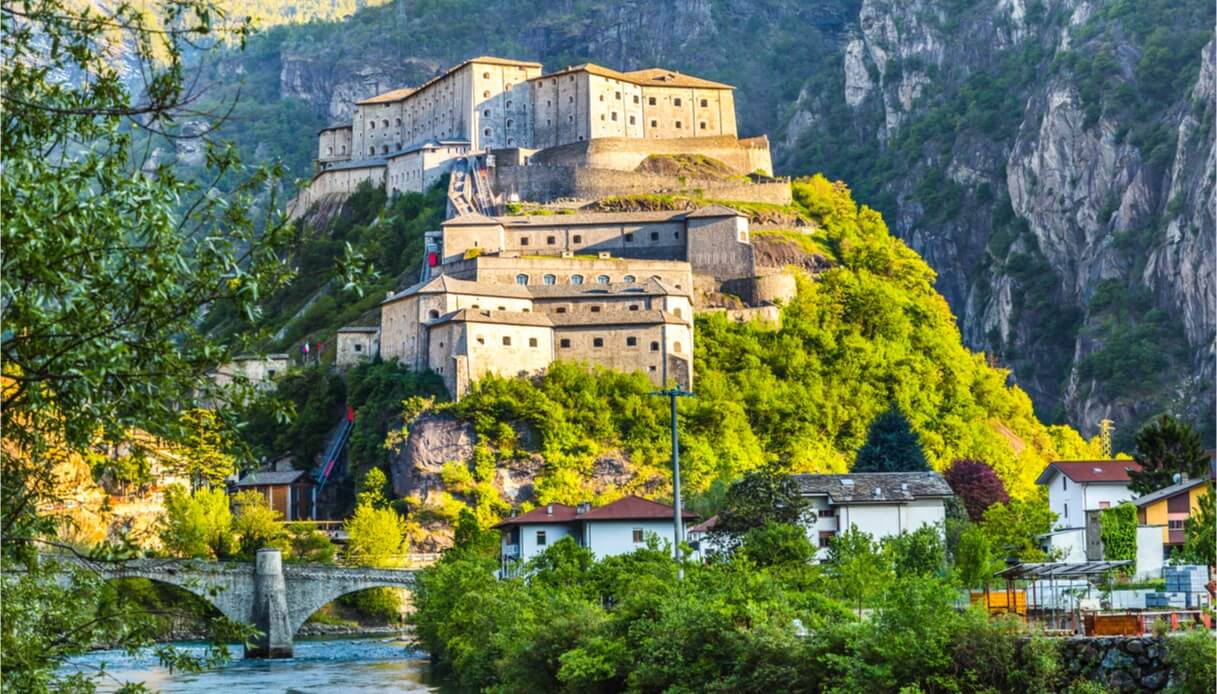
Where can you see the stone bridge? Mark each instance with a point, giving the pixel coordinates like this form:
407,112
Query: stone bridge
275,597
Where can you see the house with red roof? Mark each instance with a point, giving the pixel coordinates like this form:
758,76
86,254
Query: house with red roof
616,528
1077,486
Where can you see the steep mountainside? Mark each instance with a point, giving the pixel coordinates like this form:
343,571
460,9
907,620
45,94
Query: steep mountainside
1053,161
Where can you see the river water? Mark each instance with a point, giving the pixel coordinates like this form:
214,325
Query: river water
321,666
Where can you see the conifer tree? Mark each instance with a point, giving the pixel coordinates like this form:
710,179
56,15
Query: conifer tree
1166,447
891,446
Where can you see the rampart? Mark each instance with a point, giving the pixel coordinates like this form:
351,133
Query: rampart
545,183
746,155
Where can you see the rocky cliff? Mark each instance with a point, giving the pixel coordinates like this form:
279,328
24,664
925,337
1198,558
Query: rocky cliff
1051,159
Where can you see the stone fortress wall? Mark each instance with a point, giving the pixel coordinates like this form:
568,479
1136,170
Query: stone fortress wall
540,183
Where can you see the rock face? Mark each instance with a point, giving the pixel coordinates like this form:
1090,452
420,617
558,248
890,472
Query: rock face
414,470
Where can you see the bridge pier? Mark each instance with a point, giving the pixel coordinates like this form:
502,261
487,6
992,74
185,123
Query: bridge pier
270,613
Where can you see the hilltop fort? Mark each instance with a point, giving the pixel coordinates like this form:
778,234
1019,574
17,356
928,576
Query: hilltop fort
509,294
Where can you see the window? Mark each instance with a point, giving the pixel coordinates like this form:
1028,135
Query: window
550,279
371,125
629,278
524,241
486,113
540,538
358,348
678,125
654,235
521,279
433,313
486,94
652,369
1066,513
826,538
702,125
509,122
676,234
676,101
602,97
594,309
650,101
637,535
329,150
511,141
614,115
704,103
654,346
1064,483
485,75
597,342
602,279
617,95
1104,504
560,309
631,120
827,513
532,342
629,237
601,116
550,240
506,340
486,132
576,279
502,308
399,122
654,123
481,340
635,98
631,342
677,312
384,149
676,347
1174,524
577,239
564,343
508,105
633,307
385,122
270,373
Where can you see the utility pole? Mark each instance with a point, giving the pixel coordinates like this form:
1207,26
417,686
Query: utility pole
678,522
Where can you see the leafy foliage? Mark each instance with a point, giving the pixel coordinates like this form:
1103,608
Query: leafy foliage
198,525
756,500
977,485
1118,528
1165,448
1013,528
1200,543
891,446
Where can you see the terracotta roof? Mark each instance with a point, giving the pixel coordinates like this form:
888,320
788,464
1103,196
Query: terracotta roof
388,97
705,526
874,487
469,315
650,77
1167,492
1115,471
631,508
589,320
550,513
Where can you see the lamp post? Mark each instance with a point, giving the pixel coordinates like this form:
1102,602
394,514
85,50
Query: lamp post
678,523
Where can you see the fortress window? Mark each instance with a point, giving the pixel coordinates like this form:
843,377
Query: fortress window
702,125
633,307
486,132
507,341
547,103
372,124
524,241
678,125
485,75
547,121
652,369
384,149
555,81
509,122
597,342
602,97
564,344
486,113
521,279
594,309
560,309
631,342
676,347
475,306
654,123
532,342
385,122
570,119
486,94
631,120
618,95
329,150
508,105
601,116
577,239
433,313
629,279
704,103
654,346
676,101
550,240
511,141
550,279
614,115
602,279
576,279
502,308
650,101
629,237
570,99
676,234
654,235
399,122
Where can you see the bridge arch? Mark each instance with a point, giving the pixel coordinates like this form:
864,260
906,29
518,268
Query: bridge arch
227,588
305,597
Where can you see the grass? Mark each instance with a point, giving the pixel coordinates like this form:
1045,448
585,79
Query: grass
664,201
809,243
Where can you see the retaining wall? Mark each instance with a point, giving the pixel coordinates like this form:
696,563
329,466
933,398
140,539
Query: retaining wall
545,183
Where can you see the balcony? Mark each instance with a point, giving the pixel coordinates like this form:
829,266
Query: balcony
511,551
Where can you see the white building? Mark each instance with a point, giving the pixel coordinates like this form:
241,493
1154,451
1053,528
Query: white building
881,504
1078,486
617,528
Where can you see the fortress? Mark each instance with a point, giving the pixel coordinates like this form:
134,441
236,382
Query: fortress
509,294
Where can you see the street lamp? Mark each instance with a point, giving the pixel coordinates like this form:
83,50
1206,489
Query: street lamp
671,394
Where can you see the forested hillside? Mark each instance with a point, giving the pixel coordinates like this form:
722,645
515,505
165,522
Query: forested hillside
1052,160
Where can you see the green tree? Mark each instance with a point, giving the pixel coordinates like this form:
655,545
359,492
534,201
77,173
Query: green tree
917,553
1200,544
858,567
198,524
308,544
377,537
1167,447
372,487
257,525
757,499
202,458
1014,528
974,562
775,544
891,445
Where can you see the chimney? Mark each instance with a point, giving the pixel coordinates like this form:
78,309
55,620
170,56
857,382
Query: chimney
549,510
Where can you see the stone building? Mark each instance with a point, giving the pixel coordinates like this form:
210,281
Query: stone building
357,344
256,371
464,330
415,168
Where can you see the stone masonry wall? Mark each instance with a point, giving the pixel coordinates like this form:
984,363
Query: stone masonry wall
1122,663
625,154
537,183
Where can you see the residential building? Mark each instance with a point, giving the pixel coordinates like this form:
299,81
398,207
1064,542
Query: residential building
1078,486
289,492
357,344
881,504
616,528
1171,508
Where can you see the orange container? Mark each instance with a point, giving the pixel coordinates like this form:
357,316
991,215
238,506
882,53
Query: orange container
1001,602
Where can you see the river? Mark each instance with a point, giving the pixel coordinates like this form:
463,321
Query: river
323,666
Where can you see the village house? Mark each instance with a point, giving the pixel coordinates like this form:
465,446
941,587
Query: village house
290,492
1076,487
616,528
1170,508
882,504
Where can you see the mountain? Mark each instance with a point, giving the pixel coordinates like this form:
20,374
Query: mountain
1052,160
